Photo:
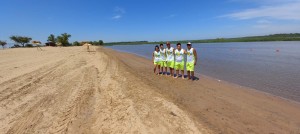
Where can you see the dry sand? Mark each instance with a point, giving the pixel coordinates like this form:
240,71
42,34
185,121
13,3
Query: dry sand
69,90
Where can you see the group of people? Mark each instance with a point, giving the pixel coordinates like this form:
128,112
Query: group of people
173,58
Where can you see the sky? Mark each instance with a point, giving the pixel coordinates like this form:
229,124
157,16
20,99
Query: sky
147,20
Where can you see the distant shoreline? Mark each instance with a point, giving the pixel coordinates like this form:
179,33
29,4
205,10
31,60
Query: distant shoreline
267,38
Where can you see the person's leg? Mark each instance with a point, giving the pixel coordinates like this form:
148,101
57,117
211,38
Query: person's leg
188,74
173,68
158,66
188,68
177,69
182,69
171,72
162,68
192,67
166,68
177,73
155,66
192,73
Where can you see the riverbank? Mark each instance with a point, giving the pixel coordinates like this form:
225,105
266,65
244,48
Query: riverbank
105,91
271,67
221,106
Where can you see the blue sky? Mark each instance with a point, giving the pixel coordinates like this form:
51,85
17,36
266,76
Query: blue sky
151,20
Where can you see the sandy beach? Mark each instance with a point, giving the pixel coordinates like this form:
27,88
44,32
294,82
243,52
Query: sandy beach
69,90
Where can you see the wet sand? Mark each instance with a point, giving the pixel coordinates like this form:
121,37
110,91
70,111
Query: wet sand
69,90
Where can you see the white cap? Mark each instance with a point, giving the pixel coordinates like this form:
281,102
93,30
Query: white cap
189,43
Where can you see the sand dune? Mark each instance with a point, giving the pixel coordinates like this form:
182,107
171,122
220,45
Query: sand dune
69,90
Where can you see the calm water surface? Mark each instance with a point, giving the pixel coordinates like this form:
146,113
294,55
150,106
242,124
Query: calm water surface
272,67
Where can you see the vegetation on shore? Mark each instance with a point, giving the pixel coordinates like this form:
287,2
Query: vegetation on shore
21,40
63,40
2,43
273,37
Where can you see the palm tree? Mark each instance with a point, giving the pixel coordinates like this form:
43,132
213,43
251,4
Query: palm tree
52,38
64,39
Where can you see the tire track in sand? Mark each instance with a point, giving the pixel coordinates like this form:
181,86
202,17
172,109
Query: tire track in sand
19,105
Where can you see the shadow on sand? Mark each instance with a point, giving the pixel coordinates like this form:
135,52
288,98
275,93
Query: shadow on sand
185,76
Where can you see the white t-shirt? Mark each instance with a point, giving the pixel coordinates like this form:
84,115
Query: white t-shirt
170,54
179,55
190,55
157,56
162,54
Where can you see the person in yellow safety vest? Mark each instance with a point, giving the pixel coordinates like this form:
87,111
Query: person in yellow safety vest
191,60
156,58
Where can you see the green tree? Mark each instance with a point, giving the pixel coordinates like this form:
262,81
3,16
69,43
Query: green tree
76,43
97,43
52,38
101,42
3,43
21,39
64,39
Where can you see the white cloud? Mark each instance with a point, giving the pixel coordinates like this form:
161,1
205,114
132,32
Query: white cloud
267,2
170,16
288,11
262,24
119,12
116,17
263,21
275,28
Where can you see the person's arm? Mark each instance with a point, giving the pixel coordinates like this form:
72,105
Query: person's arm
195,55
166,53
174,53
153,56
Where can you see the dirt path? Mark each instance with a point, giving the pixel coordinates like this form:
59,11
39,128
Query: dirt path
81,92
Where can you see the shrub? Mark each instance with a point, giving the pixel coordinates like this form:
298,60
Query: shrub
28,45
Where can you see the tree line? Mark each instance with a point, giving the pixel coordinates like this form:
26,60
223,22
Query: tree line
272,37
63,40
